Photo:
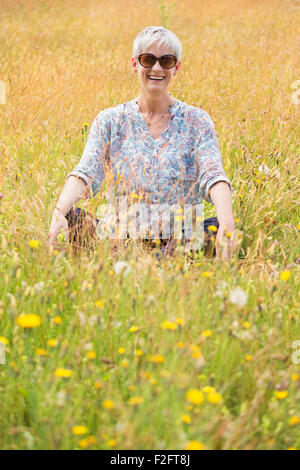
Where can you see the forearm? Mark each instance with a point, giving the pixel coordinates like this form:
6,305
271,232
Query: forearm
74,189
221,197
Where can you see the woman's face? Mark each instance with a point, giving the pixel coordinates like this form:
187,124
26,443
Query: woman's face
144,74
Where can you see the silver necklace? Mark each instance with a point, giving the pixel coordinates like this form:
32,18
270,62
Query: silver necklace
159,120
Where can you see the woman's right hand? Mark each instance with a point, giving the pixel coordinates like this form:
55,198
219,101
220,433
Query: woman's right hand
58,222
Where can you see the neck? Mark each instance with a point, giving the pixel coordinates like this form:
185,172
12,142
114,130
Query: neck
155,104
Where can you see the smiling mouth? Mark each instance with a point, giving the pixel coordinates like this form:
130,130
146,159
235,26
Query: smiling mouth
156,79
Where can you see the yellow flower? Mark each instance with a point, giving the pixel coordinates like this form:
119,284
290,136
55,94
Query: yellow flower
206,333
97,385
124,363
57,320
213,228
52,343
132,388
40,352
4,340
165,373
111,443
83,443
246,325
208,389
139,353
34,243
91,440
133,329
121,350
157,358
194,445
179,321
91,355
79,430
99,303
180,344
136,400
63,372
294,420
295,377
248,357
108,404
285,275
214,397
207,274
291,448
29,320
281,394
186,419
169,325
195,396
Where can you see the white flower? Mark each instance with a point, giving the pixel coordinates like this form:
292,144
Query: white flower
263,168
238,297
122,267
276,173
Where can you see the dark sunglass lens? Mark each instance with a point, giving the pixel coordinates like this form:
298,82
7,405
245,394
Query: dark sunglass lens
147,60
168,61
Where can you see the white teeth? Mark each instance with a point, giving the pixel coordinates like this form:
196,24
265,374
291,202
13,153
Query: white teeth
155,78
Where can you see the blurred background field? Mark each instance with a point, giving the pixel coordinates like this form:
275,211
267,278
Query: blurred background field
172,355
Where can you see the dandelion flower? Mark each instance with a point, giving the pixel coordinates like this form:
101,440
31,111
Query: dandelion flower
61,372
4,340
40,352
57,320
285,275
133,329
179,321
34,243
294,420
157,358
186,419
207,274
91,355
212,228
139,353
52,343
79,430
214,398
111,443
121,350
108,404
169,325
195,396
281,394
194,445
29,320
208,389
99,303
83,443
134,401
295,377
206,333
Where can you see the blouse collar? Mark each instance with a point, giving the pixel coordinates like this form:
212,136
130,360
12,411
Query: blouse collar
173,109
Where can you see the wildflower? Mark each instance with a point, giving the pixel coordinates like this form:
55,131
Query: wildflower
99,303
194,445
133,329
208,389
180,321
212,228
139,353
195,396
281,394
248,357
186,419
238,297
79,430
122,267
121,350
295,377
294,420
4,340
124,363
180,345
111,443
169,325
83,443
136,401
263,169
34,243
57,320
29,320
91,355
207,274
40,352
61,372
206,333
157,359
285,275
108,404
52,343
246,325
91,440
291,448
98,385
214,398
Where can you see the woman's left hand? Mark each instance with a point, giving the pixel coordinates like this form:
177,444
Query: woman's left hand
225,240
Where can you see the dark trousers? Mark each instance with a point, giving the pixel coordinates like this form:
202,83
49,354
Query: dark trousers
82,229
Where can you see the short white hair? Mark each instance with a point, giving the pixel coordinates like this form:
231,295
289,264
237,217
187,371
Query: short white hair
156,33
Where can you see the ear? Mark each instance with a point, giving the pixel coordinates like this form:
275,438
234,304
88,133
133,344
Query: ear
134,64
177,67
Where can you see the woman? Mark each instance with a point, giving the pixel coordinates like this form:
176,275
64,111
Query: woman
164,149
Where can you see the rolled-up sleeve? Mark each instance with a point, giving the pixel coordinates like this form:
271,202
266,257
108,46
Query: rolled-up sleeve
91,167
209,160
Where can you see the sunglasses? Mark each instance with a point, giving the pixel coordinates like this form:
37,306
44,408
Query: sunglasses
148,60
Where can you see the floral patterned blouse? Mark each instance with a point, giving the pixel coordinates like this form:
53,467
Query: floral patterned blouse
179,166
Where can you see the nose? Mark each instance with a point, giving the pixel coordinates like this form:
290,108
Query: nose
157,67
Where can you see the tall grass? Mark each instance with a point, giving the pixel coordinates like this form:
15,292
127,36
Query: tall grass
63,62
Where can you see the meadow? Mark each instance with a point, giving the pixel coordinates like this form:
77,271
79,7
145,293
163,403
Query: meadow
159,355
